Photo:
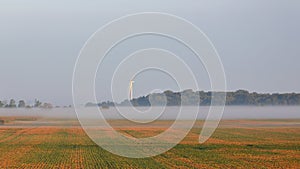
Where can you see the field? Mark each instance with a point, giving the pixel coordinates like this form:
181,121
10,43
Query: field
235,144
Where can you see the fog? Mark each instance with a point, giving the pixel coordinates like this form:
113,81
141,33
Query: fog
169,113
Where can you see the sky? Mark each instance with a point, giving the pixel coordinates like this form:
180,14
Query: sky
258,43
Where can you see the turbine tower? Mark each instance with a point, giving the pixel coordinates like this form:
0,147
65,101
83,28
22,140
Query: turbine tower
131,89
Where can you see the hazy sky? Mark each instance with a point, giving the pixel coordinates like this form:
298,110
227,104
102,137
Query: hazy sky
258,42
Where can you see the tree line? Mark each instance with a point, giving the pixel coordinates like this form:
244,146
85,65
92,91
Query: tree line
22,104
202,98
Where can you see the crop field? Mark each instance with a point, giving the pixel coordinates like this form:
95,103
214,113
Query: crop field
235,144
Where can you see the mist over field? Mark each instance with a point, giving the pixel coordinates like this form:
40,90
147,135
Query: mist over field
167,113
149,84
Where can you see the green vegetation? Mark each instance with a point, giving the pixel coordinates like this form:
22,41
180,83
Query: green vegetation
230,147
189,97
22,104
12,104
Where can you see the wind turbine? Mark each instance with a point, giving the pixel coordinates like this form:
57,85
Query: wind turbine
131,89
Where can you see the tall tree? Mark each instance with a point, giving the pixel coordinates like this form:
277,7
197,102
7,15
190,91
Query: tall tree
21,104
37,103
12,103
47,106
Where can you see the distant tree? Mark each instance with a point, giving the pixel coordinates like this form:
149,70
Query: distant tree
1,104
47,106
189,97
21,104
4,102
37,103
12,103
90,104
123,103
